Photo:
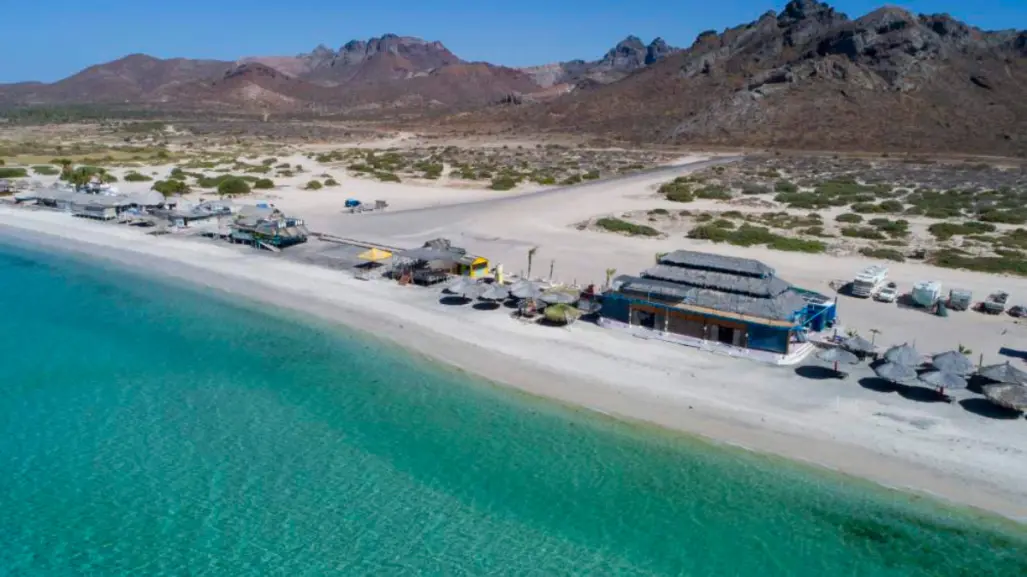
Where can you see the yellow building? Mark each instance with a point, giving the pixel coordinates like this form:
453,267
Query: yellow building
472,266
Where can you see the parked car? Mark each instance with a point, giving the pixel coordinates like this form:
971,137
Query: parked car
1018,311
887,294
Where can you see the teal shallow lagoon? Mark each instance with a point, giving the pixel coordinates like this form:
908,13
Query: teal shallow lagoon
151,428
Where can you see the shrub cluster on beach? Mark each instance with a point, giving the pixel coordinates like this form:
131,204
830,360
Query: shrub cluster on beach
622,226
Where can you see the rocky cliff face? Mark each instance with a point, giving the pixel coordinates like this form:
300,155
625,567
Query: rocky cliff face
811,77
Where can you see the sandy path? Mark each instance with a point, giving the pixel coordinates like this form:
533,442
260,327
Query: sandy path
937,448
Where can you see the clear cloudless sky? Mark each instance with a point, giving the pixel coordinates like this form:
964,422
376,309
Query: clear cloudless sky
49,39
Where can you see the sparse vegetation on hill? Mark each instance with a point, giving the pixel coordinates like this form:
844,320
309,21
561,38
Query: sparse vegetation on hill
46,170
313,185
137,177
264,184
11,172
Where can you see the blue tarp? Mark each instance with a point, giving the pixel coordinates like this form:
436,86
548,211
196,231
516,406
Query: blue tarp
351,202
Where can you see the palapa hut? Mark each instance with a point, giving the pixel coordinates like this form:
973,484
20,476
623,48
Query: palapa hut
267,226
734,301
438,258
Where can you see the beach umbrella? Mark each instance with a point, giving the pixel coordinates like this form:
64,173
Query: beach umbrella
895,372
1004,373
525,289
466,288
495,292
1006,395
374,255
562,314
903,355
942,380
560,297
836,356
858,345
953,362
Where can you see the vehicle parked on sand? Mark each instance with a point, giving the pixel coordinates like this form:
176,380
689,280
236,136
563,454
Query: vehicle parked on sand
888,293
996,302
869,281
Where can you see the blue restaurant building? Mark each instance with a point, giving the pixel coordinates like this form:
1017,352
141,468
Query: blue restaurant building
706,297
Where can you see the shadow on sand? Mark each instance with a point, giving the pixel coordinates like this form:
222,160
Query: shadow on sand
986,408
920,394
878,385
486,306
450,300
816,372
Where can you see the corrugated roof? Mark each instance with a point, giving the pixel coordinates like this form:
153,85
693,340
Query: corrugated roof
716,263
782,306
760,287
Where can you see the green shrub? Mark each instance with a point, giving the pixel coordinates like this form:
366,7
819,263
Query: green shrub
659,212
883,253
892,206
264,184
503,182
862,232
849,217
136,177
233,186
709,232
572,179
946,230
313,185
755,189
951,258
865,208
46,170
713,192
623,226
785,186
893,228
386,176
722,223
13,173
591,175
1016,216
170,187
331,182
797,245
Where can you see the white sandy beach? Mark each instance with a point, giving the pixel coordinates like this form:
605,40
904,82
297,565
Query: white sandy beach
929,447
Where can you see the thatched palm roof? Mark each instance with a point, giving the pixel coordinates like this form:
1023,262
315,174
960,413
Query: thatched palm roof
895,372
943,379
953,362
1004,373
837,355
858,344
904,354
1006,395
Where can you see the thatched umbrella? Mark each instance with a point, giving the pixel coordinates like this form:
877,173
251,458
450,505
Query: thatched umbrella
836,356
858,345
560,297
562,314
895,372
495,292
903,355
466,288
1004,373
1012,397
525,289
941,380
953,362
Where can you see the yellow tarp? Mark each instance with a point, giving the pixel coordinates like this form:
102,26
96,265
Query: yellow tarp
374,255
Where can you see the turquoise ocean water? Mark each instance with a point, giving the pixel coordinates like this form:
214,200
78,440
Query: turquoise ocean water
148,428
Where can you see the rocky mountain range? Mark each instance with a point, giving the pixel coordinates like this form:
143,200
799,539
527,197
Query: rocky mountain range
807,77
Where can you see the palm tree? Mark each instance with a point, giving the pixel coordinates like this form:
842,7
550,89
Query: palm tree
609,275
965,350
874,333
660,255
531,257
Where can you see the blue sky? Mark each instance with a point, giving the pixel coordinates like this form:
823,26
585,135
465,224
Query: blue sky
55,38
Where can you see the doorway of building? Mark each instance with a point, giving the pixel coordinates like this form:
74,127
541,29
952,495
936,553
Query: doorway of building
726,335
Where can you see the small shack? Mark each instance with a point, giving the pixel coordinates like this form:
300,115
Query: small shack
437,259
267,227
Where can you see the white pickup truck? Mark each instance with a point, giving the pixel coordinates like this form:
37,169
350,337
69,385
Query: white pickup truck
887,294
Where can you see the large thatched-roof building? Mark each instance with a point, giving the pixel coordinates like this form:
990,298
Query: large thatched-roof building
696,297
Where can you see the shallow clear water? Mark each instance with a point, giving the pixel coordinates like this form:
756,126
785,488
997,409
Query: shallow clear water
154,429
